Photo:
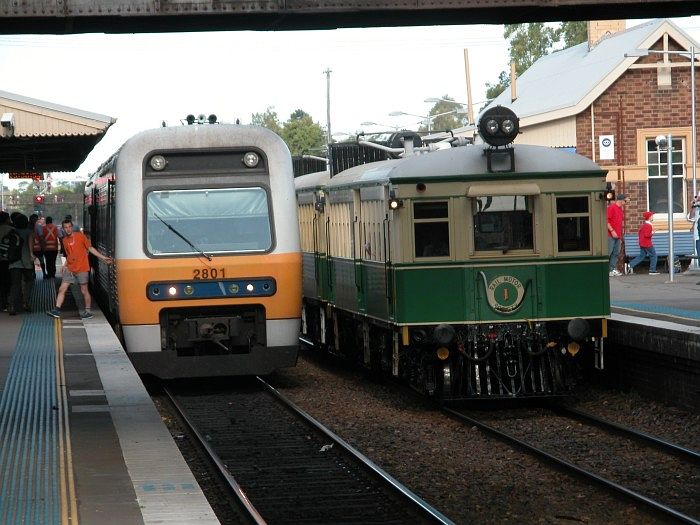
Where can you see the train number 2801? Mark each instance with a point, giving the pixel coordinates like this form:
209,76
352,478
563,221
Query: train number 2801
208,273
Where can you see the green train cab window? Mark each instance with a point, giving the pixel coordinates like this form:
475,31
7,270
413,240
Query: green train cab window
213,221
573,224
502,223
431,229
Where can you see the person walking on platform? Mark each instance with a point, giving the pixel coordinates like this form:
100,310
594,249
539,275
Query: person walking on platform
76,247
616,216
22,273
50,236
36,223
694,217
646,245
5,227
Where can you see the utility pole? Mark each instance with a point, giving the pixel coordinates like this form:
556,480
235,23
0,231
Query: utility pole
328,104
470,106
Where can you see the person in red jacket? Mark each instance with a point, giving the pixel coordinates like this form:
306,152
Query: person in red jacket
616,216
646,245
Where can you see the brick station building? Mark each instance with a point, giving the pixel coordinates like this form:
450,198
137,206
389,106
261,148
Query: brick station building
608,105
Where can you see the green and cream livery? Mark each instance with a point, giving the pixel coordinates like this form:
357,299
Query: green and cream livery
470,271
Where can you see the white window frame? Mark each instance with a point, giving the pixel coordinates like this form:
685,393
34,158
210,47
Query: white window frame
661,163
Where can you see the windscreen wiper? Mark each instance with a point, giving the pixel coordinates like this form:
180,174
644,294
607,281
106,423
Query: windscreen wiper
172,229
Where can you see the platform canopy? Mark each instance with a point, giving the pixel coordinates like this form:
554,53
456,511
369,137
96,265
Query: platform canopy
40,136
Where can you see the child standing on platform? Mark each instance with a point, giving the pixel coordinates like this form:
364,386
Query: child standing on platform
646,245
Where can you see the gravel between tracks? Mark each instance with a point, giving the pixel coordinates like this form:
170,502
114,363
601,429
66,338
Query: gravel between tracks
468,476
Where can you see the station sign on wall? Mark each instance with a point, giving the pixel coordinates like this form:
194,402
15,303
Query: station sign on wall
606,147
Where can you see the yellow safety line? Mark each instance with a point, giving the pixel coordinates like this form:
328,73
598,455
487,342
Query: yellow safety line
67,451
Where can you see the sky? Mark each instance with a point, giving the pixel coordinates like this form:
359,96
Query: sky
144,79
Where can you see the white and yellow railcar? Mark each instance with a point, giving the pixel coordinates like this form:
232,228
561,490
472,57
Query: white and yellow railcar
201,222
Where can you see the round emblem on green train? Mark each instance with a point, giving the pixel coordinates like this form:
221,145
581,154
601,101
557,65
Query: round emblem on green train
505,293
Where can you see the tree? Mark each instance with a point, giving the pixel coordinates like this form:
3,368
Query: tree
573,33
301,133
529,42
66,198
267,119
451,119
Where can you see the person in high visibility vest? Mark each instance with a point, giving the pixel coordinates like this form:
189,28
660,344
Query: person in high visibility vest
50,236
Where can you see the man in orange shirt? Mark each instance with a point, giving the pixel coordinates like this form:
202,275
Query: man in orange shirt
76,247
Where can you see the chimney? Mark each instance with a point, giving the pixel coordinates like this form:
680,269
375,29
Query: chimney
600,29
513,78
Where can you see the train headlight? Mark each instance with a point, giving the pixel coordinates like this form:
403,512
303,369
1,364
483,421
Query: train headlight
250,287
508,126
188,289
394,202
498,126
172,290
444,334
442,353
573,347
158,162
251,159
233,288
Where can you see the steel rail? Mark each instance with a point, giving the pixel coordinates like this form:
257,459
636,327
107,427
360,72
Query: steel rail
611,485
400,489
250,511
626,431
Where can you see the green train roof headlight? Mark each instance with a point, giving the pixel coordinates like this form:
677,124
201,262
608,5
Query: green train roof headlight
498,126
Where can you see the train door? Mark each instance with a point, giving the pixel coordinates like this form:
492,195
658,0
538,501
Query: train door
321,234
504,229
358,247
375,261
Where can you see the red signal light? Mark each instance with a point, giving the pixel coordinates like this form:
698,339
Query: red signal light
38,199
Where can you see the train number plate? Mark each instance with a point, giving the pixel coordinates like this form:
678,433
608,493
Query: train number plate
208,273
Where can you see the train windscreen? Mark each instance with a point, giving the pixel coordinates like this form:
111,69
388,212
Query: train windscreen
216,220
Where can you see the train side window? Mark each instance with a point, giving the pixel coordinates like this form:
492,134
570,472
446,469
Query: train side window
503,223
573,224
431,229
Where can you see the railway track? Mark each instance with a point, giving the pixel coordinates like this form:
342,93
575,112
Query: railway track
590,455
661,444
287,468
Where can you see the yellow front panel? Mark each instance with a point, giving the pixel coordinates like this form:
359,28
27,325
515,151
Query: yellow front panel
133,277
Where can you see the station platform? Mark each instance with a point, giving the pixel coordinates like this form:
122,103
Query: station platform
80,439
653,343
656,297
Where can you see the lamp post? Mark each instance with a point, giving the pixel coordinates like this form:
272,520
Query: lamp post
435,100
693,127
664,143
427,118
370,123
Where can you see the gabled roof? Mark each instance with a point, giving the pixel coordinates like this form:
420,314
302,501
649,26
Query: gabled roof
566,82
42,136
